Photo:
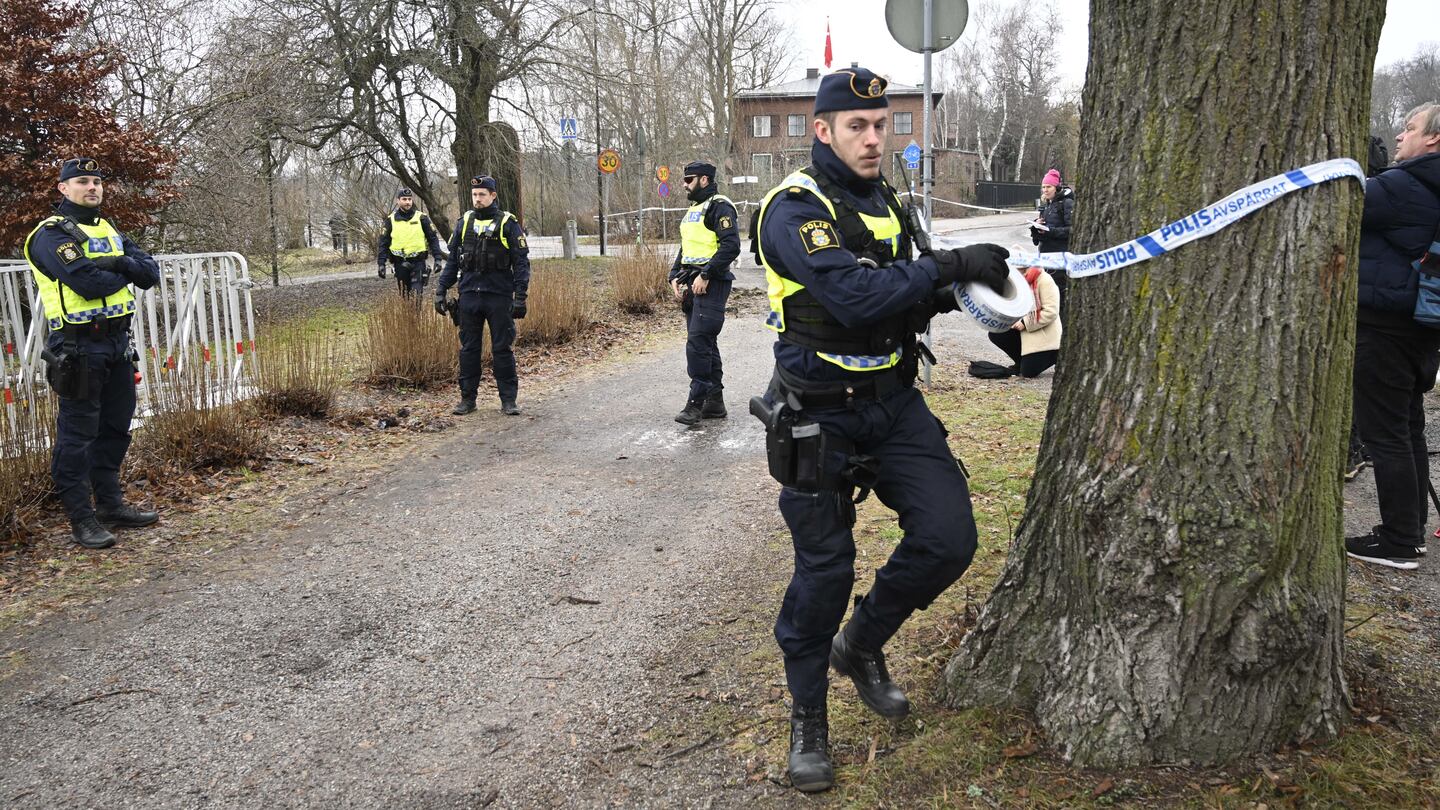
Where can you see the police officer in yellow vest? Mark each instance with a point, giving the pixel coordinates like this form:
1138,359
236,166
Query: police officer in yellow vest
490,264
406,239
701,280
84,268
847,296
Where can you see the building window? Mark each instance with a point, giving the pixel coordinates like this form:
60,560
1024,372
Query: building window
760,166
760,126
796,126
904,123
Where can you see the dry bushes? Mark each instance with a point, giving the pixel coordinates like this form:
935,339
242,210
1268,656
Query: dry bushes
638,280
408,344
27,431
559,307
300,374
193,428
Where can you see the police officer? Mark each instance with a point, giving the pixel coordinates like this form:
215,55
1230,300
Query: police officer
489,253
701,280
84,268
406,239
846,299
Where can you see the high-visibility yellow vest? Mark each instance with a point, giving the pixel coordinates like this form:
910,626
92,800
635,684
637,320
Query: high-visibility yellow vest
62,304
492,228
780,286
698,243
407,236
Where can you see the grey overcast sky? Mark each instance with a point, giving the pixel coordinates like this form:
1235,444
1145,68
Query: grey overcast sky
858,34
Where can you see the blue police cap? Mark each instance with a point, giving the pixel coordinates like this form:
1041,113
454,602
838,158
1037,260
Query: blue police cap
700,168
484,181
403,192
77,167
851,89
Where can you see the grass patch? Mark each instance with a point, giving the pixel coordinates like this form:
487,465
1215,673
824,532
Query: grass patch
300,375
27,431
407,344
192,430
637,280
560,305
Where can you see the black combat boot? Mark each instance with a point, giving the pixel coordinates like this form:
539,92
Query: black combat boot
810,768
691,414
89,533
125,516
867,669
464,406
714,407
509,408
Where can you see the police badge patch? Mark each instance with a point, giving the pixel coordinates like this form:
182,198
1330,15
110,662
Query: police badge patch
817,234
724,223
69,253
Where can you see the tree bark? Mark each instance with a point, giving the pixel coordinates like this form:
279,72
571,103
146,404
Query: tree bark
1175,590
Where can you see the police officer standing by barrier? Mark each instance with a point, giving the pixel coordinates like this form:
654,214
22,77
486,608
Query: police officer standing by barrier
406,239
489,253
701,280
83,268
846,300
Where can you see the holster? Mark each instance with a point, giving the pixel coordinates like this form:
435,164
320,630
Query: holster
807,458
68,372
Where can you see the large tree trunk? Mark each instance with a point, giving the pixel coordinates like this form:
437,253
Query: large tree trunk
1175,591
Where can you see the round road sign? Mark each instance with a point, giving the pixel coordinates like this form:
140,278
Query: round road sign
608,161
662,173
906,21
663,190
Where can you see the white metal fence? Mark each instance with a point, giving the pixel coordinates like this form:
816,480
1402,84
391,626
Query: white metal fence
199,319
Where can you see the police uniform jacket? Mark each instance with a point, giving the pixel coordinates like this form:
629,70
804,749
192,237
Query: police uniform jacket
1402,208
432,239
721,218
511,272
853,294
58,256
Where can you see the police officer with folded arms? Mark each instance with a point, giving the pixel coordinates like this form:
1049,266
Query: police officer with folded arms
84,269
701,280
847,297
406,239
490,264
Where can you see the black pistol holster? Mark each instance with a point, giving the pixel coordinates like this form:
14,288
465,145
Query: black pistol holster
804,457
68,373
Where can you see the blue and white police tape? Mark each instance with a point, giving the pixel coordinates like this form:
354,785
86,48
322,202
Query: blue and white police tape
1208,220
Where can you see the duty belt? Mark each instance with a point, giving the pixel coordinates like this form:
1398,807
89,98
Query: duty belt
96,328
801,394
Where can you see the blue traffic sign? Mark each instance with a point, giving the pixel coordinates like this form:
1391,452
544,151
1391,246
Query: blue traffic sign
569,129
912,155
663,190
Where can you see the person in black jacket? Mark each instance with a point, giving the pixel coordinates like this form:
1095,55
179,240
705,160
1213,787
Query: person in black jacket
406,238
1050,231
1396,359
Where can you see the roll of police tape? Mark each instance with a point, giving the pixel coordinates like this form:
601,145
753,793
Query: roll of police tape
997,311
1211,219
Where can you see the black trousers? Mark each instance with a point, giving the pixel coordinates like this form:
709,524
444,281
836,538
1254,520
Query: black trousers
410,274
1031,365
921,481
477,311
93,433
704,320
1393,370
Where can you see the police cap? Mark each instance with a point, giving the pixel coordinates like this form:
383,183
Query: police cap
403,192
700,168
77,167
484,181
854,88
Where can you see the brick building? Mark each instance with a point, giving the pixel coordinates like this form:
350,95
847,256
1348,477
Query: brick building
773,133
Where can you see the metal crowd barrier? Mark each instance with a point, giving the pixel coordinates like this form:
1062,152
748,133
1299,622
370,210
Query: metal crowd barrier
199,322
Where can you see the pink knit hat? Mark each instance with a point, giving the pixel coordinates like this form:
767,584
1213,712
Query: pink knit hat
1052,178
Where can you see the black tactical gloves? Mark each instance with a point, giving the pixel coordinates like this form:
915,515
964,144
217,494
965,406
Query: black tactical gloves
382,271
518,309
440,304
982,263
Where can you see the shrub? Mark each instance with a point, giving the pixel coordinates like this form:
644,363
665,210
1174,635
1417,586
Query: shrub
638,280
559,307
192,428
299,375
27,431
408,344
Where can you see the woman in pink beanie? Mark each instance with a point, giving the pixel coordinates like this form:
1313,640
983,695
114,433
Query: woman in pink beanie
1051,229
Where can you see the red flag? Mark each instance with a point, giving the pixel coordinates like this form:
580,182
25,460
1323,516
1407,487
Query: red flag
828,55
